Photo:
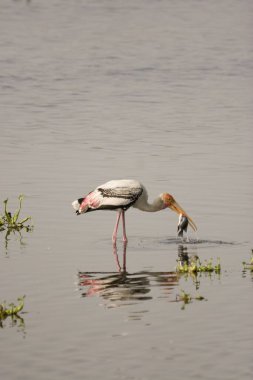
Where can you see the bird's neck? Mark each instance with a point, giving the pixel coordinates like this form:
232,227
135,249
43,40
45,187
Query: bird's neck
156,205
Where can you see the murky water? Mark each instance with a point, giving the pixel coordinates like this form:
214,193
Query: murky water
160,91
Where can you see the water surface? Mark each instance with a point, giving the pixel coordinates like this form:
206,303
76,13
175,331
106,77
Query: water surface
156,91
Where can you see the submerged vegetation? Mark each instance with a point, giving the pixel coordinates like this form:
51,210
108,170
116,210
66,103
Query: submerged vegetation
11,222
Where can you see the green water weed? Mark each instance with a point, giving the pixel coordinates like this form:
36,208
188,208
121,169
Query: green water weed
187,298
12,222
12,309
195,266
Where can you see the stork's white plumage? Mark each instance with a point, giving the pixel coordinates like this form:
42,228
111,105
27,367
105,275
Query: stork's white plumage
120,195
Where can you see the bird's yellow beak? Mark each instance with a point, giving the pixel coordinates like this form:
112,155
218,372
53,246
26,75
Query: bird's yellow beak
171,203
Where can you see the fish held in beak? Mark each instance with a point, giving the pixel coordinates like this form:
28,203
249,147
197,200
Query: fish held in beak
182,225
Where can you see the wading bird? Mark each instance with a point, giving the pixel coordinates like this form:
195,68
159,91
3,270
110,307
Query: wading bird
121,194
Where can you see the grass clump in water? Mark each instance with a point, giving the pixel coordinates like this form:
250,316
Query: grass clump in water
187,298
193,265
11,222
11,310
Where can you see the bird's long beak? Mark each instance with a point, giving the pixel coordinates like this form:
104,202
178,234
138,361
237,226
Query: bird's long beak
174,206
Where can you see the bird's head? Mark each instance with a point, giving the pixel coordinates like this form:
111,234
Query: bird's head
170,202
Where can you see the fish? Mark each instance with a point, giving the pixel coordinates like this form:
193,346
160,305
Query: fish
182,225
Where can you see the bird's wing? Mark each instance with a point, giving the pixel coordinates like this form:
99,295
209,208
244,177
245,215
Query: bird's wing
120,196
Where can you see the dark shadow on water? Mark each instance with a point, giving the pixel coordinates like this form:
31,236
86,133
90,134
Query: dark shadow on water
197,242
247,274
14,321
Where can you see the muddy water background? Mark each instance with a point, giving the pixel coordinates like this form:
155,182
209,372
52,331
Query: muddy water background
160,91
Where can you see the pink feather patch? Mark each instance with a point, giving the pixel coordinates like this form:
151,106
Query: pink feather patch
89,201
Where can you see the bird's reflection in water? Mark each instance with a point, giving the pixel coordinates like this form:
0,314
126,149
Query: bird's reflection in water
183,257
122,288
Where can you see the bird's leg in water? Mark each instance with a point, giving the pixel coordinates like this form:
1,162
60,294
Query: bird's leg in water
185,239
114,234
124,227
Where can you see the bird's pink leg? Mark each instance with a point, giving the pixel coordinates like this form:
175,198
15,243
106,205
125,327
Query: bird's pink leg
124,227
114,234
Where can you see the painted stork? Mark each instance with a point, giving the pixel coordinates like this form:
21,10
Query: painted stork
121,194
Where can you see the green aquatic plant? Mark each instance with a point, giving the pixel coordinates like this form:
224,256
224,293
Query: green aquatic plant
187,298
11,222
12,309
183,296
248,266
193,265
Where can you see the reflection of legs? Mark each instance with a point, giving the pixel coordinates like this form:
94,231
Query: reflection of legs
124,227
114,234
124,256
115,253
116,257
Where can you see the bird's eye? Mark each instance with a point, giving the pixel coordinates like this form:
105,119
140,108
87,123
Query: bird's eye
169,199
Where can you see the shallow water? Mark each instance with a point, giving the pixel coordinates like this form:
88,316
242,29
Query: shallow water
157,91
